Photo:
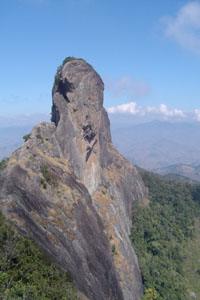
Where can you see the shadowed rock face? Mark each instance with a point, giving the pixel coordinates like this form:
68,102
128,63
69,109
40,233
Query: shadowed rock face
72,192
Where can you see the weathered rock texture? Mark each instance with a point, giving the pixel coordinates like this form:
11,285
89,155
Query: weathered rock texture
72,192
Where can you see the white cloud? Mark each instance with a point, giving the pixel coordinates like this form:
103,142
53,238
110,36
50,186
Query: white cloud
185,27
197,114
132,108
163,109
128,108
127,86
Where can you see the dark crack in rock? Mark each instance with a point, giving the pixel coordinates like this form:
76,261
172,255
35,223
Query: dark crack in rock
89,150
88,133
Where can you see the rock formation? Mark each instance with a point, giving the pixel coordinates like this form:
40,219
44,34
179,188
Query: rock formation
72,192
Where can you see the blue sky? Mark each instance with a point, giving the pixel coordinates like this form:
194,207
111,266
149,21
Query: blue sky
147,52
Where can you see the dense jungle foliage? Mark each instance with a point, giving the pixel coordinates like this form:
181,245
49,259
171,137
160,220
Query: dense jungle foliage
161,235
26,273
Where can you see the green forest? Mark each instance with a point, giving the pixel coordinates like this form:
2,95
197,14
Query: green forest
166,237
27,273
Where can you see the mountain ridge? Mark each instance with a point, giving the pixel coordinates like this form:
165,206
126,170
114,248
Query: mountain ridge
190,171
158,144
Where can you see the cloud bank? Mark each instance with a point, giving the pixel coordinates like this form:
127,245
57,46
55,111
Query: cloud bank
197,114
160,112
165,111
129,108
185,27
125,111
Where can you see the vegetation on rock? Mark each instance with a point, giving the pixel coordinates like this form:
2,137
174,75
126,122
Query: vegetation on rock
159,234
49,176
66,60
3,164
26,137
27,273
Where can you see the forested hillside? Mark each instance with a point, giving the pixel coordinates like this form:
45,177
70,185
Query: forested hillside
27,273
166,238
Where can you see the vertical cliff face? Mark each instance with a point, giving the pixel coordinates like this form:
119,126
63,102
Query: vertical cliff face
82,123
73,192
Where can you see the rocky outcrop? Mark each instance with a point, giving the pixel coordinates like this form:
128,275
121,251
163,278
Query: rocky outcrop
72,192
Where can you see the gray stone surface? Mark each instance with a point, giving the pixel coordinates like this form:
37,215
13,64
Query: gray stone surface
72,192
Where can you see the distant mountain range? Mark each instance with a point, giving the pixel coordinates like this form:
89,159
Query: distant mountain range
158,144
180,172
165,148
